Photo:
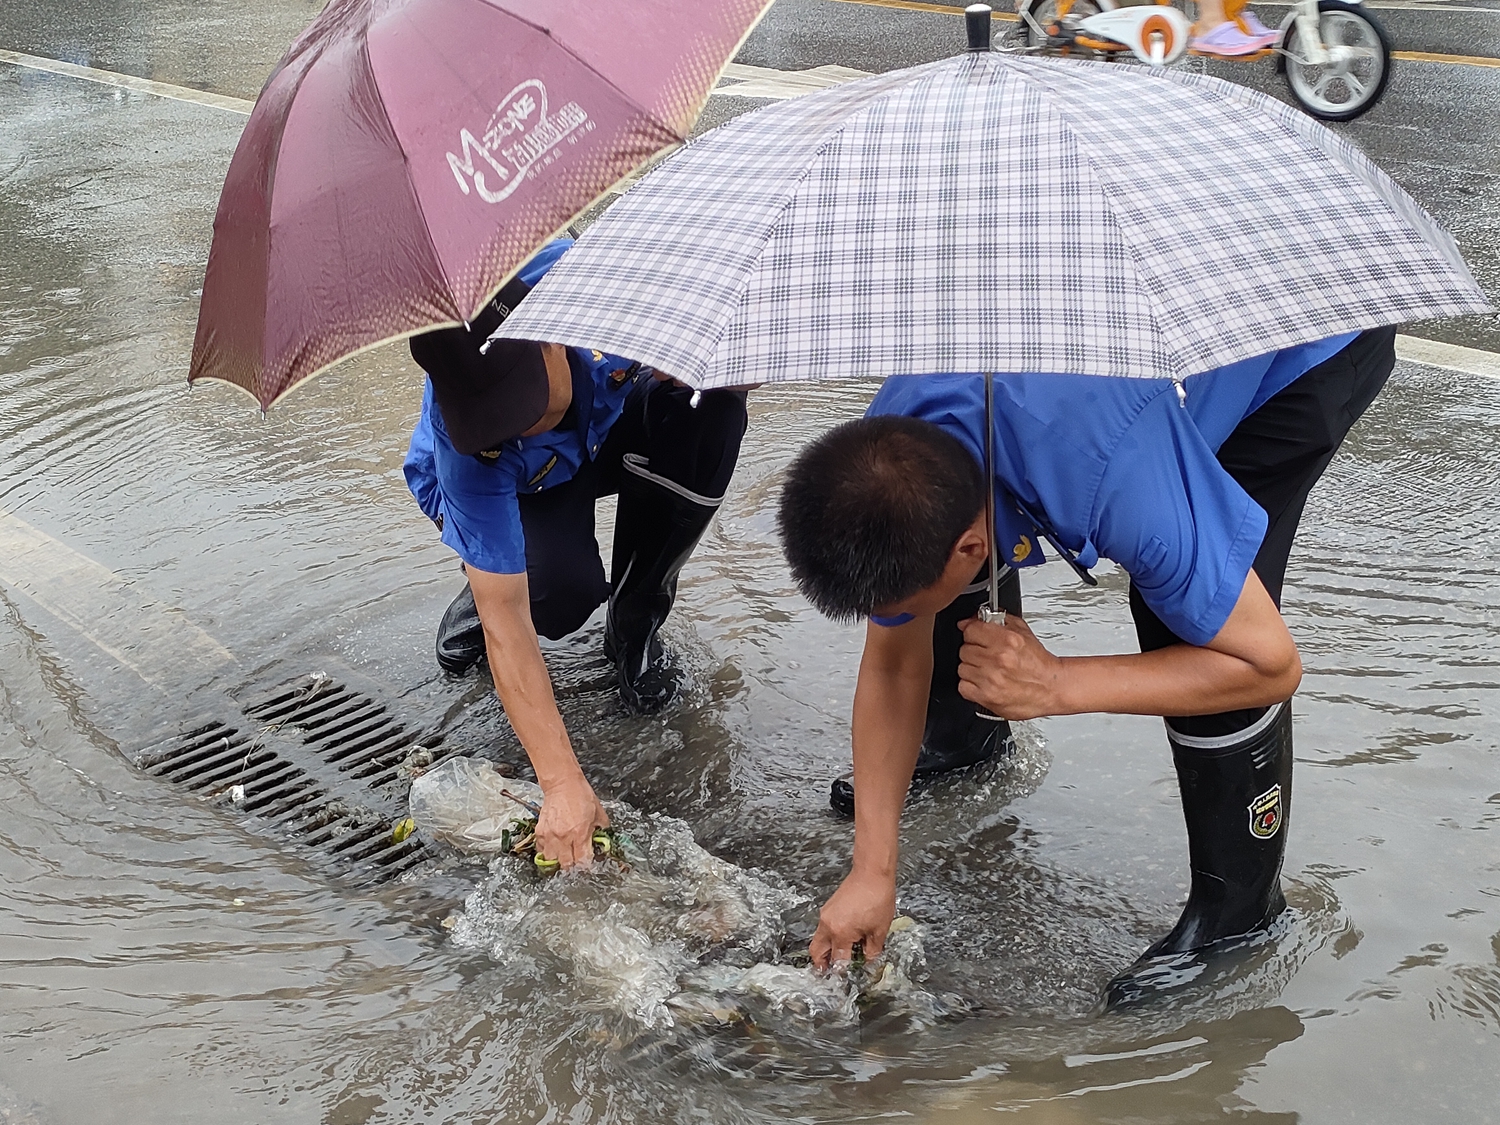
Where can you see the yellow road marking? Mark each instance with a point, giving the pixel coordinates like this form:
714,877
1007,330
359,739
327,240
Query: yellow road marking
918,6
243,106
1452,60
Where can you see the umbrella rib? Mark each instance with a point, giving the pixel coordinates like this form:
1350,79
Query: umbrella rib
1087,155
1315,150
765,6
671,138
649,115
364,53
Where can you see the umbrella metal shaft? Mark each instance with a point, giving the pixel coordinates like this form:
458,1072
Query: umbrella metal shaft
992,611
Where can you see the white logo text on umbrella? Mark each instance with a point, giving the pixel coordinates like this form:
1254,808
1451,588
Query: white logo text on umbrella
520,136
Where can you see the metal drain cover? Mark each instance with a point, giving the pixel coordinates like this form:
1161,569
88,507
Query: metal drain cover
324,765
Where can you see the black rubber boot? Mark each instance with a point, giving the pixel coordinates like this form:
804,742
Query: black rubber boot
460,638
656,529
1236,799
956,735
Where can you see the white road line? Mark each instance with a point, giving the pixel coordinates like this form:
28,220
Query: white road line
740,80
128,82
764,82
1451,357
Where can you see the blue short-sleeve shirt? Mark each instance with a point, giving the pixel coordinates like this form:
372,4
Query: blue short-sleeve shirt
1124,469
475,497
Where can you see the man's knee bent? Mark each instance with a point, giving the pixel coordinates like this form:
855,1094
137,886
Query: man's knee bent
562,602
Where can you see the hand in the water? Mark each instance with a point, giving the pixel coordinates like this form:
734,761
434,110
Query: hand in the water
860,911
565,830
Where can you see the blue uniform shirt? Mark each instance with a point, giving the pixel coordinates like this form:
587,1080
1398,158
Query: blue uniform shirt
475,497
1121,468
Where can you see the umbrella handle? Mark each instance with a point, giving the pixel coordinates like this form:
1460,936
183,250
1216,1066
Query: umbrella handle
977,21
993,607
988,614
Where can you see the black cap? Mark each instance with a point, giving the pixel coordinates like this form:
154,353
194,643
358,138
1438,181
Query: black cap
977,19
486,397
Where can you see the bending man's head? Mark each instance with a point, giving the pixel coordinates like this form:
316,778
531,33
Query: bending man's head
879,510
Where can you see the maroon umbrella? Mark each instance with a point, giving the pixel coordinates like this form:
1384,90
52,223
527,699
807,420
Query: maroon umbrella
407,156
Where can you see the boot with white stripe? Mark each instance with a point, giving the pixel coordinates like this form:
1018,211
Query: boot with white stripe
1236,799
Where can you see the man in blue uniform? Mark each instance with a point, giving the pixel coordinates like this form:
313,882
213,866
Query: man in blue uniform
1195,489
515,443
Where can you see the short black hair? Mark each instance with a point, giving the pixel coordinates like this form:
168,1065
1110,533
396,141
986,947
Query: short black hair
871,510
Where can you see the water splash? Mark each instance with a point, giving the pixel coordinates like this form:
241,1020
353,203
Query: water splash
681,937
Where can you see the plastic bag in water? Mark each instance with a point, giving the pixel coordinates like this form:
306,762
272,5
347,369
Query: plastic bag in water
676,934
464,803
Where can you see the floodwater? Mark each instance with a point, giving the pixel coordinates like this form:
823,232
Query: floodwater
162,960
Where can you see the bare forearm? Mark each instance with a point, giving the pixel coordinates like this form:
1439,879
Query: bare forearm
525,689
890,706
1178,680
520,675
889,712
570,811
1250,662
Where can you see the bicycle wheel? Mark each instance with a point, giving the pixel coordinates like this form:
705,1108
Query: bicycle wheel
1046,13
1357,70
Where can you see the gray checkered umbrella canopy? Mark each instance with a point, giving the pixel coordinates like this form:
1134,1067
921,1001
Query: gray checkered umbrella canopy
999,213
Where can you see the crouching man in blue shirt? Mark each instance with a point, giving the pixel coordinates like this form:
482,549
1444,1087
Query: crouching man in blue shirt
1195,490
515,443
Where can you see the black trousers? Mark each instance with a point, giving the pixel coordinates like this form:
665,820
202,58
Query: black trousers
1276,455
694,448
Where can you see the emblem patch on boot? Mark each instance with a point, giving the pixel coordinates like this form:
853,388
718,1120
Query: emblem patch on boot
1266,814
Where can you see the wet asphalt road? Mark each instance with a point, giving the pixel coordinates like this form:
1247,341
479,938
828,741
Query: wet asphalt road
160,961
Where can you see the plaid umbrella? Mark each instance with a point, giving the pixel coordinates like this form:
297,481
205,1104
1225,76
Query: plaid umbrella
407,155
1000,213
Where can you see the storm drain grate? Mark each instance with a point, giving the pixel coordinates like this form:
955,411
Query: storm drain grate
349,730
322,764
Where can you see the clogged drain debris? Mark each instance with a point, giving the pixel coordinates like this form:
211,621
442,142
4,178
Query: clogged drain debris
659,929
465,804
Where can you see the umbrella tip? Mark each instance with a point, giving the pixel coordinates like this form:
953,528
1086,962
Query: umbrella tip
977,18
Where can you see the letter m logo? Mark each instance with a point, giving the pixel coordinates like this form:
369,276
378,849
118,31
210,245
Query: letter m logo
465,168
